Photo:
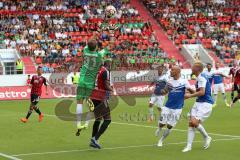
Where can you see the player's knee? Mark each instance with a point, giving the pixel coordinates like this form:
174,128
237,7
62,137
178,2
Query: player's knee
190,124
106,122
80,101
109,121
169,126
97,122
98,119
194,123
161,125
33,103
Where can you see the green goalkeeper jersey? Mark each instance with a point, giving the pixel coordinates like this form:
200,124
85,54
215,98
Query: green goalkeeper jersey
90,67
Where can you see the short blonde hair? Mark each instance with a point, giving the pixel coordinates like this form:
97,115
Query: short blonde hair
199,64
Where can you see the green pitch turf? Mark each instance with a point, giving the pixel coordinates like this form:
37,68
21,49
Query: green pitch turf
129,137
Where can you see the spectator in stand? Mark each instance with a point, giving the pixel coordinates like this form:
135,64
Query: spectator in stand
28,80
214,25
45,69
58,31
196,57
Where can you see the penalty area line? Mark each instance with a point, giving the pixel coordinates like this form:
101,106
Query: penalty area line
114,148
8,156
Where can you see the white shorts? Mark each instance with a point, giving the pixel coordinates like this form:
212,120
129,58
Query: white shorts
218,87
170,116
201,110
158,100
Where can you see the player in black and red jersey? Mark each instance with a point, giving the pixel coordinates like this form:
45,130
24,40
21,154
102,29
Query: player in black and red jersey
236,80
232,73
99,98
36,84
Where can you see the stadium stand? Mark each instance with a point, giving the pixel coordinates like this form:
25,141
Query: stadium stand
53,33
213,24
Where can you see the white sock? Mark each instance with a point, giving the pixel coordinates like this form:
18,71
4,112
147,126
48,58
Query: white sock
202,131
79,111
160,129
191,135
165,134
88,117
151,112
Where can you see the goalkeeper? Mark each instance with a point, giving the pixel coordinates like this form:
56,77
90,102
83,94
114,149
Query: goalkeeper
91,64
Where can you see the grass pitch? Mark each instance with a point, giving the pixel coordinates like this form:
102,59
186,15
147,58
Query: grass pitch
129,136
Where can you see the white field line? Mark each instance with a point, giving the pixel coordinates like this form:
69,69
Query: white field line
146,126
179,130
113,148
8,156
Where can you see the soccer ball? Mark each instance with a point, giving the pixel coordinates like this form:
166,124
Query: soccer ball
110,11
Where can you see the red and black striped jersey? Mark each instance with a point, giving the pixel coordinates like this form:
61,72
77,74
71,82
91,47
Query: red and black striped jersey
37,82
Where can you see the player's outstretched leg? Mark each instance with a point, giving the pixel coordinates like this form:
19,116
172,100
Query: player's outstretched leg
158,131
225,99
151,117
190,138
205,135
234,100
215,100
79,111
40,118
164,136
94,140
195,124
24,120
95,129
232,94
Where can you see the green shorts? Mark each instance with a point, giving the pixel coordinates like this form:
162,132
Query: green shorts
84,90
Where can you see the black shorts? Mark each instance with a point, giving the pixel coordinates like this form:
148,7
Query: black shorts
101,110
35,99
236,88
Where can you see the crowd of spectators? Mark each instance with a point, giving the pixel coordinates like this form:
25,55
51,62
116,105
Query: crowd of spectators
213,23
54,33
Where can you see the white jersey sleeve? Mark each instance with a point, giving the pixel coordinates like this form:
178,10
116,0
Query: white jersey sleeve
202,82
187,84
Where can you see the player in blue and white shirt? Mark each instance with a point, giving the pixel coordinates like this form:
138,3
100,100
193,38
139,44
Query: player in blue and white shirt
218,84
171,113
202,108
156,98
209,73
